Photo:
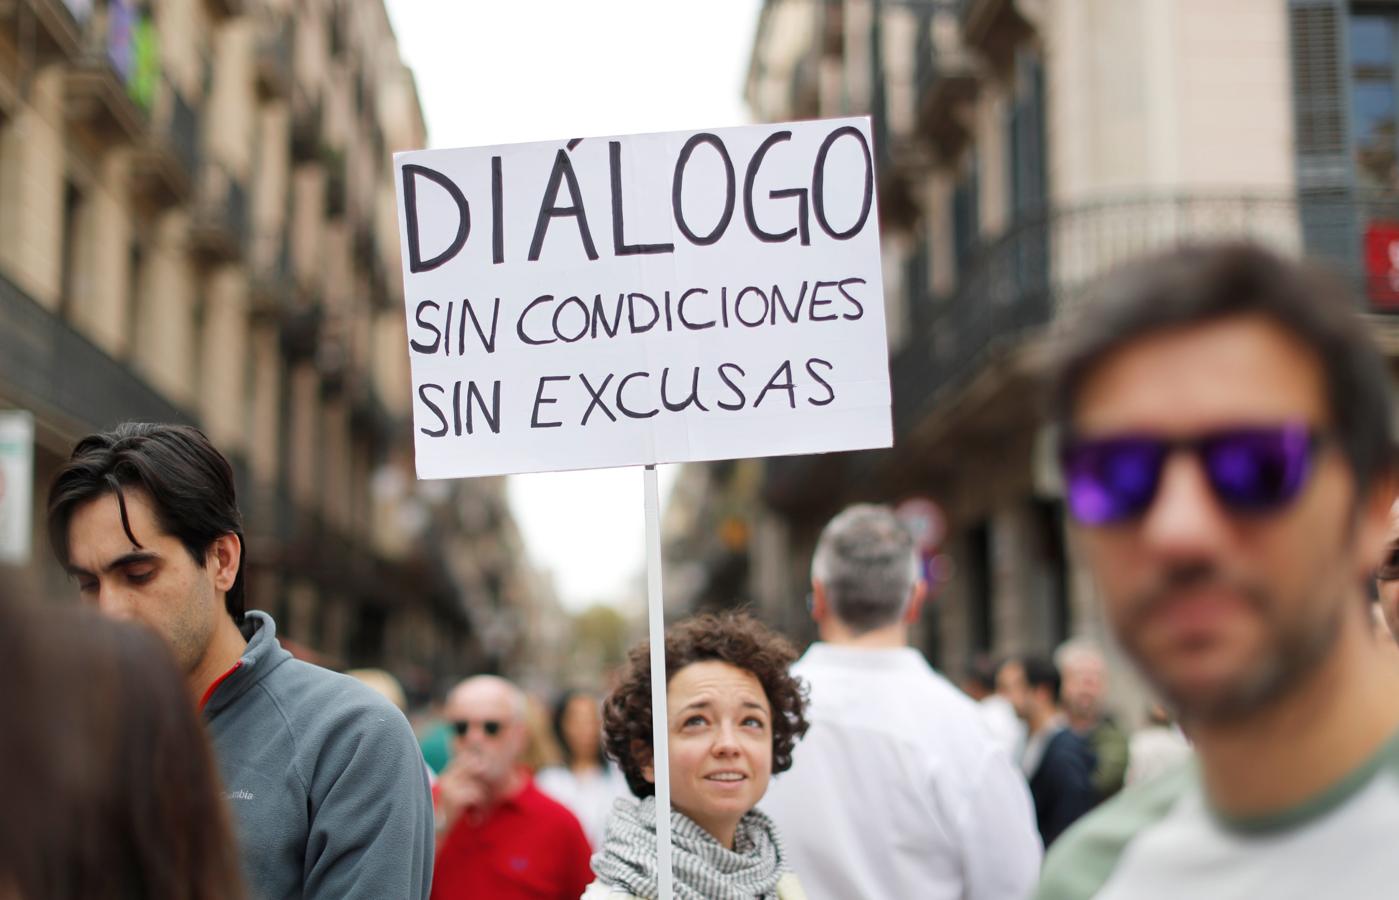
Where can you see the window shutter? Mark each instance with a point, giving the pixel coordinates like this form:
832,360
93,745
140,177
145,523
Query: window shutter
1319,93
1326,206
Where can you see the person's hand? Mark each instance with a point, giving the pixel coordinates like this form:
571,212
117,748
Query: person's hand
461,788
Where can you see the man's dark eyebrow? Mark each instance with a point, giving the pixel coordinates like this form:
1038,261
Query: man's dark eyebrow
126,559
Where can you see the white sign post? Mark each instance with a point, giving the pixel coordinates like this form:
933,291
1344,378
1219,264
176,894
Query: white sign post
645,299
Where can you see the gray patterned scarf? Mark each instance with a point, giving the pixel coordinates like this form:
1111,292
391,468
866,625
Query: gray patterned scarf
704,868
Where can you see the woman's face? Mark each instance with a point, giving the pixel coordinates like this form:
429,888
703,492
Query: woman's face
582,727
720,745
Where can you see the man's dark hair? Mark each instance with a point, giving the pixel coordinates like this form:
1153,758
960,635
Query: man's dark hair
981,671
1204,283
189,483
1041,673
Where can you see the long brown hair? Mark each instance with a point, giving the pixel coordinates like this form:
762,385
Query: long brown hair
108,783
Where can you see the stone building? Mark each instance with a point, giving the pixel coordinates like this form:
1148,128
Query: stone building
1023,147
197,224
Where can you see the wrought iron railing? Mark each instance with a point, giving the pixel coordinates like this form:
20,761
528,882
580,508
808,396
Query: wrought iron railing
184,131
48,362
1034,275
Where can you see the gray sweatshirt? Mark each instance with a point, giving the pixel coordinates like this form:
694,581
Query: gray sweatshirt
326,783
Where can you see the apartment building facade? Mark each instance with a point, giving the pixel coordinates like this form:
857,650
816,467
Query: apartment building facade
1024,147
197,224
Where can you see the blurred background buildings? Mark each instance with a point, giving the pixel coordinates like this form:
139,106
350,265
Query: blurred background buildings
198,224
1024,147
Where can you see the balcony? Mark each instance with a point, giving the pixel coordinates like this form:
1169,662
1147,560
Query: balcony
219,223
273,287
305,127
272,64
948,79
97,105
224,9
53,367
57,32
996,27
167,161
969,376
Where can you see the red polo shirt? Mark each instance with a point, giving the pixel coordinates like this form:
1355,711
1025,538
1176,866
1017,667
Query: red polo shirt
530,848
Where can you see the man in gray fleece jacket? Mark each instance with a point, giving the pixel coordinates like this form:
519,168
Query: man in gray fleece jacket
327,786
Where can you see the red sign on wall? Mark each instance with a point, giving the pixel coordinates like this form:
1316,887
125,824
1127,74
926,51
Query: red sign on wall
1382,264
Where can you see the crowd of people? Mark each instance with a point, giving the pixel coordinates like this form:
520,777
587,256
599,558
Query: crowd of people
1225,447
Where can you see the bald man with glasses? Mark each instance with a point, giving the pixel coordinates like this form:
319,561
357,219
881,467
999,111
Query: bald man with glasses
498,836
1225,423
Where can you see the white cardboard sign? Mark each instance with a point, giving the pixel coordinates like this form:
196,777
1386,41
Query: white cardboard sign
646,299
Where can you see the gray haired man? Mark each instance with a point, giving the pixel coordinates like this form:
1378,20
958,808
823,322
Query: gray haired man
898,790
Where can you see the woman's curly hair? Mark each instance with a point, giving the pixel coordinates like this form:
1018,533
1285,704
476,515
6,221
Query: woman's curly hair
735,638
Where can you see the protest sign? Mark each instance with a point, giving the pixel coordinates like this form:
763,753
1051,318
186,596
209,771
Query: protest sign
644,299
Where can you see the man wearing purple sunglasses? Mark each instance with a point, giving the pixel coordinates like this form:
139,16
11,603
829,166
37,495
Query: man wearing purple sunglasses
1226,425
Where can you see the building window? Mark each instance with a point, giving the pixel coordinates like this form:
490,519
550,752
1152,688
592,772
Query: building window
73,213
966,215
135,266
1374,48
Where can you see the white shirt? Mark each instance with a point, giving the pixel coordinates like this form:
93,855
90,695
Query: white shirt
1160,840
1005,726
1154,750
898,790
589,797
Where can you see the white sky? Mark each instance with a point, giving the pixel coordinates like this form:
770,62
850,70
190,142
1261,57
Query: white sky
502,71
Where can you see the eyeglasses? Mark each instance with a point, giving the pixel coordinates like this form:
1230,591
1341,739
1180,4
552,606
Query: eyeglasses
491,727
1251,470
1389,569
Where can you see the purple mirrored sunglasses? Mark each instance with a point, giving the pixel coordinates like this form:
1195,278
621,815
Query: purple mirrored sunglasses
1252,470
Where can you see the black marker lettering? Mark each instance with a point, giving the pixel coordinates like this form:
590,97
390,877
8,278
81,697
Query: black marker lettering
488,343
830,394
473,394
738,307
692,399
680,311
550,210
817,301
792,315
859,309
582,332
541,400
626,410
596,396
436,410
428,326
733,387
774,384
411,173
751,176
520,323
619,241
818,184
600,317
676,192
497,212
631,313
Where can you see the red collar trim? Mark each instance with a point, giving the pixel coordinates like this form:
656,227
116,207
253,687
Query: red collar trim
218,681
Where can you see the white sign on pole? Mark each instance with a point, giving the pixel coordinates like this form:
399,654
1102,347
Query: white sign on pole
16,485
644,299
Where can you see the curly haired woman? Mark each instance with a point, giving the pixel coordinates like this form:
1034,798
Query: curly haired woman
735,715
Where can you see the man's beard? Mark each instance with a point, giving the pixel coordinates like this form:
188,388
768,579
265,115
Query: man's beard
1291,650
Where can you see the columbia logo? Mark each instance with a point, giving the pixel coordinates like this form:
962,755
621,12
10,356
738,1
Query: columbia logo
237,795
